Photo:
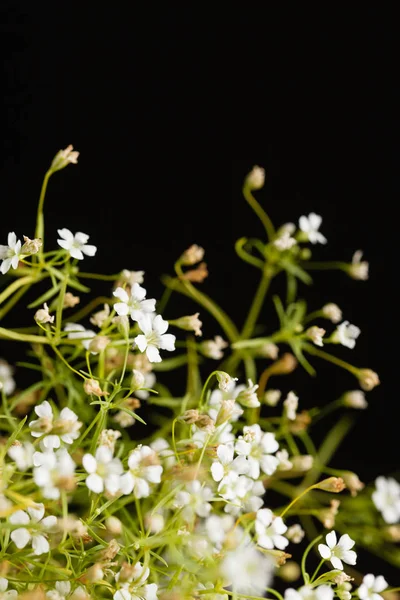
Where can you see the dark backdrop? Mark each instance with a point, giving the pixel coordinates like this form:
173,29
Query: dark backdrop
170,113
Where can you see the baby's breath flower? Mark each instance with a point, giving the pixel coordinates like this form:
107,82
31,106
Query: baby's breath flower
368,379
229,411
302,462
70,300
61,591
11,254
332,312
76,331
114,525
31,246
355,399
270,530
371,587
358,269
295,533
327,515
189,323
22,454
104,471
213,348
247,570
352,482
192,255
284,463
130,277
99,343
43,316
268,350
256,178
308,592
7,383
64,158
154,522
65,427
75,244
53,471
225,381
272,397
100,317
247,397
258,448
310,226
154,337
291,403
108,438
386,497
284,241
134,304
346,334
315,334
92,386
32,517
138,380
144,469
4,593
338,551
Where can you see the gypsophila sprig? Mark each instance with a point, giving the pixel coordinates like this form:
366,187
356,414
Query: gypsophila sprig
212,493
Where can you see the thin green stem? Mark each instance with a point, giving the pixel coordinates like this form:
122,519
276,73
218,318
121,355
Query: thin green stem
260,212
39,231
256,306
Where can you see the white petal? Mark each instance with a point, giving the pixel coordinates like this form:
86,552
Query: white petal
112,483
167,342
126,483
89,250
240,465
217,471
279,526
145,323
44,410
76,253
122,595
121,309
64,244
269,443
243,448
336,563
68,415
254,467
40,545
138,292
160,325
95,483
142,488
349,557
280,542
331,539
153,354
121,294
41,476
149,305
20,537
265,542
20,517
66,234
264,516
36,513
63,587
380,584
89,463
141,342
5,265
51,441
15,261
49,522
225,453
315,220
269,464
153,473
104,455
346,542
324,551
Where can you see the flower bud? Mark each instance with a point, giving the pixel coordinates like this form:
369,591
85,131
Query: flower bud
256,178
355,399
248,396
332,312
272,397
290,571
225,381
192,255
213,348
31,246
64,158
358,269
138,380
315,334
95,573
327,515
189,323
352,482
101,316
205,423
197,275
285,365
331,484
114,525
302,462
295,533
99,343
91,386
154,522
43,316
368,379
228,410
268,350
122,323
70,300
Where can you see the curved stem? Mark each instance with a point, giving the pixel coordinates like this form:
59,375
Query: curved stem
256,306
39,231
260,212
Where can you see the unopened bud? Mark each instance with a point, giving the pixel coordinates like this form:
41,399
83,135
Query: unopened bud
342,578
225,381
114,525
272,397
189,323
91,386
392,533
95,573
64,158
228,410
295,533
101,316
269,350
368,379
99,343
213,348
154,522
327,515
352,482
31,246
122,323
43,316
248,396
355,399
302,462
192,255
358,269
332,312
256,178
315,334
124,419
138,380
331,484
197,275
70,300
285,365
290,571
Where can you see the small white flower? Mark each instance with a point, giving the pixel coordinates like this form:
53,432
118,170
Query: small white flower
386,498
295,533
338,551
248,397
219,396
22,455
355,399
144,469
4,594
332,312
272,397
308,592
371,586
135,305
64,157
131,277
222,467
217,526
154,337
247,570
65,427
76,331
104,471
285,241
242,493
7,383
359,269
134,587
258,448
75,244
34,519
61,591
43,316
284,463
270,530
195,500
10,254
346,334
291,403
214,348
51,470
316,334
310,225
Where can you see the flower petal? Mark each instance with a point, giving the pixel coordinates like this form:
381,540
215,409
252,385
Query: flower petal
153,354
20,517
324,551
89,463
95,483
167,342
20,537
331,539
40,545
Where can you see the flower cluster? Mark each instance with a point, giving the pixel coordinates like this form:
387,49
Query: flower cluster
128,491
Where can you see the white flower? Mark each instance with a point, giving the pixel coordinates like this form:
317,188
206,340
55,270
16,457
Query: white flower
6,595
258,448
242,493
355,399
332,312
65,427
284,463
34,518
222,467
217,527
134,586
10,254
316,334
214,348
308,592
219,396
285,241
43,316
386,498
78,332
104,471
154,336
61,592
269,530
51,470
195,500
310,225
359,269
7,383
144,469
149,381
338,551
291,403
247,570
134,304
248,397
64,158
371,586
346,334
75,244
22,455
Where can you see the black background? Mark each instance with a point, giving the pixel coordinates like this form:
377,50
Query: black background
170,109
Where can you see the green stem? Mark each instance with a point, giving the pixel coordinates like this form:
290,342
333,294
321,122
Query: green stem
256,306
330,358
317,570
304,573
39,231
260,212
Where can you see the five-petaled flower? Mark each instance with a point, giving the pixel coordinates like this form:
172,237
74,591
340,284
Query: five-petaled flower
386,498
134,304
270,530
10,254
104,471
310,226
346,334
65,428
37,524
338,551
371,586
75,244
154,337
